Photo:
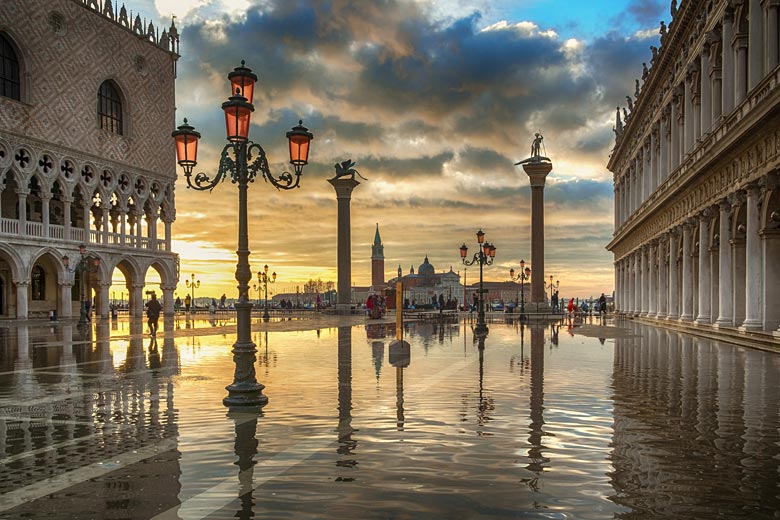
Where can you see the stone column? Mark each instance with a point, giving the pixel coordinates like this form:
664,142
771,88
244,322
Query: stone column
21,299
725,268
637,282
138,231
663,290
22,194
123,226
714,278
674,133
772,40
643,280
756,44
652,305
168,300
106,210
696,80
647,170
717,91
66,201
344,187
663,170
654,152
135,298
103,301
705,281
674,300
706,90
168,234
741,66
87,219
687,273
728,61
537,171
45,199
753,268
688,116
66,293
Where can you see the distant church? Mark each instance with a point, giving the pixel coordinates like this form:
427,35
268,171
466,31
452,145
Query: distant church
421,287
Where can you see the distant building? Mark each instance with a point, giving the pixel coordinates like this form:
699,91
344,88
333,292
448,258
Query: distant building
377,262
695,164
86,110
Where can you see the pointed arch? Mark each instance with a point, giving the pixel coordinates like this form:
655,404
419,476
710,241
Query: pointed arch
11,84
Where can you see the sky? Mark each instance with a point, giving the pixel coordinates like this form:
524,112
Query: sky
435,101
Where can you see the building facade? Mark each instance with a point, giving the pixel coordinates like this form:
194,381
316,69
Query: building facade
695,165
377,263
87,104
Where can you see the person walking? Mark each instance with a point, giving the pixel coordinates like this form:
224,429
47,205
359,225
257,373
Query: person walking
187,303
153,309
602,304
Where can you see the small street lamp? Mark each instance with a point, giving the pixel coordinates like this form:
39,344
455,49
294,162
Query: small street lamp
242,161
263,279
552,286
523,275
484,256
192,286
83,269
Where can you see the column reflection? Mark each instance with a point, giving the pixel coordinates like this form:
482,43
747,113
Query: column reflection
346,444
536,427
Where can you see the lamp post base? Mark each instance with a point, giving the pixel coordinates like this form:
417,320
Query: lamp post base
481,330
245,391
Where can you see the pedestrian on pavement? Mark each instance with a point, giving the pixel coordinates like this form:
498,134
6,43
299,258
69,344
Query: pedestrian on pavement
187,303
153,309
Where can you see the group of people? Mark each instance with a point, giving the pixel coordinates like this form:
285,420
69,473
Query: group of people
599,306
376,306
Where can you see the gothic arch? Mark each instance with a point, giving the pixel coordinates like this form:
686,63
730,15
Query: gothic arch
22,59
13,259
167,275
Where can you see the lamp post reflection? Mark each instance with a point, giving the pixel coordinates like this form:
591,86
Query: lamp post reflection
245,448
400,357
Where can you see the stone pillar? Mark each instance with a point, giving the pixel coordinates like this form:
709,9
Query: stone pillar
21,299
728,62
66,219
705,281
647,170
106,210
135,299
168,233
537,172
637,282
725,267
22,194
753,268
674,300
687,273
663,170
45,199
663,290
66,293
344,187
688,116
168,299
740,66
138,231
772,40
716,106
674,134
706,90
654,179
652,305
123,226
756,44
643,280
103,301
87,219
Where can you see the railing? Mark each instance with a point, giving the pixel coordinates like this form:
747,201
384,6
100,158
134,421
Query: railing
56,231
35,229
77,234
9,226
94,236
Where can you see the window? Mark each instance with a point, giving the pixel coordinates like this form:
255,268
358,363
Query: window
38,284
9,71
110,108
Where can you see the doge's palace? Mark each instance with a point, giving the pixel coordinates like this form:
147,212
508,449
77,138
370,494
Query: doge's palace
87,102
695,164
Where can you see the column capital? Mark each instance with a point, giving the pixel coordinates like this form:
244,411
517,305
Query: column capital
752,189
343,187
724,204
168,287
737,198
21,283
705,215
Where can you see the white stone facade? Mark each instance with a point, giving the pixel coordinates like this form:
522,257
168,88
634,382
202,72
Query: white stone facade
78,178
697,202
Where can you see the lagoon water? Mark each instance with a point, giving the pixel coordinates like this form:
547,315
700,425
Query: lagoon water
543,422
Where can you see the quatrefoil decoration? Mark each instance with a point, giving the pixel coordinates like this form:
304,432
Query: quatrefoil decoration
155,190
67,169
22,158
123,182
2,153
140,187
88,174
105,178
45,164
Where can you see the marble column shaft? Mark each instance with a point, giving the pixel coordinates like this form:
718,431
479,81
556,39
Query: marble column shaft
753,269
704,269
663,290
687,275
727,61
344,189
674,299
725,307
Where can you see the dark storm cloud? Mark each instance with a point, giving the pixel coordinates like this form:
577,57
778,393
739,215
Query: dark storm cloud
617,62
580,192
483,160
647,12
391,168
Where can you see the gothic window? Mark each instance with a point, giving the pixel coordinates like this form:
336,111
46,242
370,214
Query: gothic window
110,108
9,71
38,284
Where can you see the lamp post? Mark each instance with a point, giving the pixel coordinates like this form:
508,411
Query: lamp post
523,275
484,256
263,279
83,269
552,286
192,286
242,161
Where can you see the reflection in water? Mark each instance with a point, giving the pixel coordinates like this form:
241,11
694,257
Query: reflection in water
696,427
400,357
536,457
346,444
245,447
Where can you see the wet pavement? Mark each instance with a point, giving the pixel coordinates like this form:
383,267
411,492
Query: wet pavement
607,420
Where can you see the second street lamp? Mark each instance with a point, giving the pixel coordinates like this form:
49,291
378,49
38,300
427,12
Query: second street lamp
484,256
242,161
523,275
263,279
192,286
83,270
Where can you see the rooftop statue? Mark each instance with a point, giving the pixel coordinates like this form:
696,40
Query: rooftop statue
345,168
536,151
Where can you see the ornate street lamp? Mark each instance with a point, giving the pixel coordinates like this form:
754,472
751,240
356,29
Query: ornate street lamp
523,275
552,286
242,161
484,256
83,269
263,279
192,286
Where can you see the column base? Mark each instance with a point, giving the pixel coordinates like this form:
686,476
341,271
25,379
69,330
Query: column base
702,320
660,316
672,317
343,308
723,323
537,310
750,326
776,333
686,317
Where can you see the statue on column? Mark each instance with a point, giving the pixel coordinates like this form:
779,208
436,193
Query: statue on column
536,151
346,168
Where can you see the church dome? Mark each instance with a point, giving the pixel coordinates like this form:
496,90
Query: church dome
426,269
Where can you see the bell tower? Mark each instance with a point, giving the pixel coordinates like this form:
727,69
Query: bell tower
377,262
